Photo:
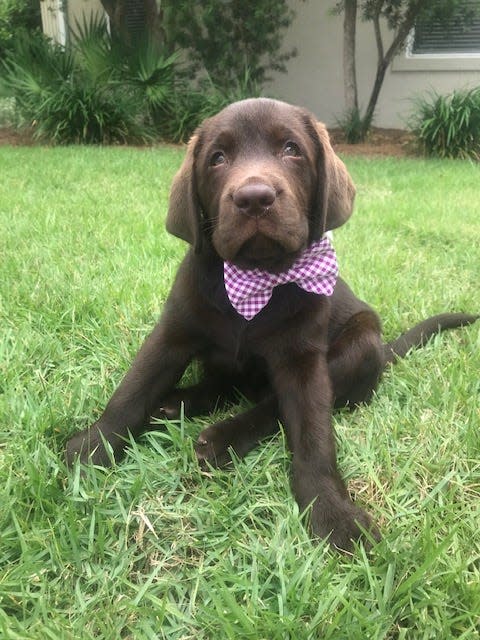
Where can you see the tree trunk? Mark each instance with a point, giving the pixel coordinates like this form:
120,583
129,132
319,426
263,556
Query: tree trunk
372,103
379,76
385,59
349,70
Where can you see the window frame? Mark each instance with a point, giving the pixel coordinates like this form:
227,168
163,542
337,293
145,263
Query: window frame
407,60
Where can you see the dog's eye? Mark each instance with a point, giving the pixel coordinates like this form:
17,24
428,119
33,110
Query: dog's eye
291,149
217,159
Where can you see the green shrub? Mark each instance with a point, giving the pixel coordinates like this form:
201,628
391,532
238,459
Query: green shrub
117,85
190,105
17,15
448,126
96,91
218,38
7,111
88,91
353,126
77,113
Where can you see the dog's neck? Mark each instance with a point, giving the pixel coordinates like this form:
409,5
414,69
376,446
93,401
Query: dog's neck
315,270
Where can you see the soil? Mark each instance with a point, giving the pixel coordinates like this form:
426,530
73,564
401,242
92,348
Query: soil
15,137
380,142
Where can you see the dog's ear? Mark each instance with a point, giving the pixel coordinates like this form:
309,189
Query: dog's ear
336,191
184,217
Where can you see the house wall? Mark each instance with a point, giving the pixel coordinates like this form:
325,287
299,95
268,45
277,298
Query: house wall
82,10
315,76
56,23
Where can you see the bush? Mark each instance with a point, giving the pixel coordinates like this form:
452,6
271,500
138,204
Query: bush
353,126
220,39
190,105
96,91
68,96
7,111
17,15
90,91
449,126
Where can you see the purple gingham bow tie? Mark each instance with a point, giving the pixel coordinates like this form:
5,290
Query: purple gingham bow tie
315,271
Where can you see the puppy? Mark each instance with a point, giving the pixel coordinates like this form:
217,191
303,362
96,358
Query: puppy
258,302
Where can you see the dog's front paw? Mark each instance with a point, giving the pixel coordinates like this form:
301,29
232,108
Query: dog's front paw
168,411
342,524
333,515
213,444
90,446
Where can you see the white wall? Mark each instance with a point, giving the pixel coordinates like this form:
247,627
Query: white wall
80,10
315,76
56,23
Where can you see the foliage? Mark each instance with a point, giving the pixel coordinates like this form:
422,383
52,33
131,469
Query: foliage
226,40
189,106
73,94
395,12
449,126
156,548
219,39
96,90
7,111
17,15
352,125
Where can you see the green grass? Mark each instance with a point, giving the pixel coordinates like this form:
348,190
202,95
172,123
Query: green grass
157,549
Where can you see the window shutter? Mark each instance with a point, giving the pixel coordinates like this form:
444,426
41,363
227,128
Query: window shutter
452,38
135,19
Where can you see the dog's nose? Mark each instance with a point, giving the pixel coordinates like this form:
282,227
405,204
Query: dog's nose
254,199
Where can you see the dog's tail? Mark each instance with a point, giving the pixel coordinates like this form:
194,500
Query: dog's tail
421,333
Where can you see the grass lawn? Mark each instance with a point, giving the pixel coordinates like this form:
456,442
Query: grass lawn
156,549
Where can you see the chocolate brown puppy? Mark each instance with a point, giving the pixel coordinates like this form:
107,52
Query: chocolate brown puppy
257,301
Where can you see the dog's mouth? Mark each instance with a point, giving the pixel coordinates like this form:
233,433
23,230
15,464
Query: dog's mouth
261,252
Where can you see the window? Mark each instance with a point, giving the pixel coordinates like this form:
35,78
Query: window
458,38
434,46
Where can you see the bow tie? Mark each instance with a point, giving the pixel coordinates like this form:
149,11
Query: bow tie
315,271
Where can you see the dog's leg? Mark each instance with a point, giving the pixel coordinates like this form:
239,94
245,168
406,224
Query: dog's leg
205,397
302,385
241,433
356,360
216,390
156,369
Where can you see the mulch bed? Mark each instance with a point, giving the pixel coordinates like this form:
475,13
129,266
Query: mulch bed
380,142
15,137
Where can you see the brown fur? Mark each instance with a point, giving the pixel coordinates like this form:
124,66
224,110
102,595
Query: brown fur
244,194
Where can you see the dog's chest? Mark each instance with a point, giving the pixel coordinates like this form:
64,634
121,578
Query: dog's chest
236,345
229,346
232,343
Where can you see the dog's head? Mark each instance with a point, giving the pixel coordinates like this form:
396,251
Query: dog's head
260,181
